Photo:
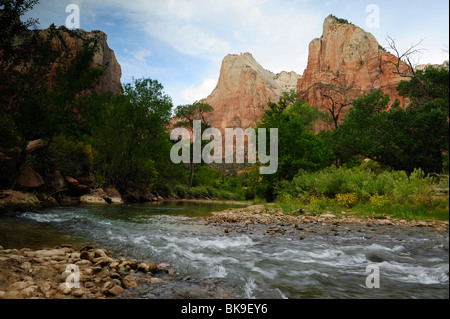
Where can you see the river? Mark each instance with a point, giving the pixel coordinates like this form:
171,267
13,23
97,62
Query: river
411,262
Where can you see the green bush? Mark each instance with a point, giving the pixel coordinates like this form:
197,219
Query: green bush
181,191
199,192
9,137
73,158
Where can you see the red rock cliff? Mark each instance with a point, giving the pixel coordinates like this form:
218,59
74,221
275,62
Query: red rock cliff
65,41
243,91
345,63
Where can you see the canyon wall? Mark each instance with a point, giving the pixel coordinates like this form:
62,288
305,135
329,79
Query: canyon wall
345,63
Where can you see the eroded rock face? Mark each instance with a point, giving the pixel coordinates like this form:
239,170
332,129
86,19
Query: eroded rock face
71,42
345,63
243,91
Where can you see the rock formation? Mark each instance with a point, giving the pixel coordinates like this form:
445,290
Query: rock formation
71,42
345,63
243,91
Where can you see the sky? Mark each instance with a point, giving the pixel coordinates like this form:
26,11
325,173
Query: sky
181,43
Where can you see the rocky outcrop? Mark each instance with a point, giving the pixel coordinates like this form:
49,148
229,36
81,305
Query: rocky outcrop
287,80
345,63
423,67
70,42
13,201
243,91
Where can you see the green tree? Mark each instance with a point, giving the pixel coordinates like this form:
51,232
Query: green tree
298,146
130,136
404,139
185,115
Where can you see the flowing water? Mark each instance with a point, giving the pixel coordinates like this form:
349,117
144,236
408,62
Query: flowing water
412,262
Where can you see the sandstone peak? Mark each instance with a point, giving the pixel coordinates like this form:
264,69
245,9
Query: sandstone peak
243,90
346,62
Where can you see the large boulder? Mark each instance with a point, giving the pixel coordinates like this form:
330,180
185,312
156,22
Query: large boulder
12,201
28,178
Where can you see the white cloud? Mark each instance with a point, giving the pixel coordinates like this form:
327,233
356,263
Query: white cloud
140,55
195,93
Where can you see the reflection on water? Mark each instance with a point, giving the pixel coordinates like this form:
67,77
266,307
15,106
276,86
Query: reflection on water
413,263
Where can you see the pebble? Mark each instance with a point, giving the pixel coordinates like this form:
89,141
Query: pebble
42,273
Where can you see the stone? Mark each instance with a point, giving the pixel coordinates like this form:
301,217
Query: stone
86,256
17,201
18,286
100,253
83,263
64,289
78,292
28,292
70,201
13,294
50,253
155,280
28,178
92,200
17,258
116,290
47,200
35,145
103,261
142,267
129,283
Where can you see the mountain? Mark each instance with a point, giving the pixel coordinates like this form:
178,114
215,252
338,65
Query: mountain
243,91
71,41
345,63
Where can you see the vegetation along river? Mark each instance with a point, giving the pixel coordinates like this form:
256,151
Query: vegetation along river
413,262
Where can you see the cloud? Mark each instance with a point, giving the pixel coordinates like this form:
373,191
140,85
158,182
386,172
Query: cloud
140,55
192,93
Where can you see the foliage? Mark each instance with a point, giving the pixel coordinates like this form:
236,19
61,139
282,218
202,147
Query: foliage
405,139
130,135
298,147
8,132
364,191
185,115
73,158
346,200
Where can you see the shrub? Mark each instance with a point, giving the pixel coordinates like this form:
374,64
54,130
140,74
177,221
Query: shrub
73,158
378,201
346,200
199,192
181,191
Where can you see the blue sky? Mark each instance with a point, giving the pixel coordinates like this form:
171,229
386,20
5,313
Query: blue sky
181,43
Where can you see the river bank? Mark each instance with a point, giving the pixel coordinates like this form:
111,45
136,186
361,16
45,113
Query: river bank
252,252
44,273
242,218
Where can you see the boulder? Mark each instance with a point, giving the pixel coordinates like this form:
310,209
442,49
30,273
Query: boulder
116,290
16,201
28,178
129,283
35,145
92,200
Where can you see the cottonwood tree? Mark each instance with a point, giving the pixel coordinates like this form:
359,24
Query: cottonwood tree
339,99
185,115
